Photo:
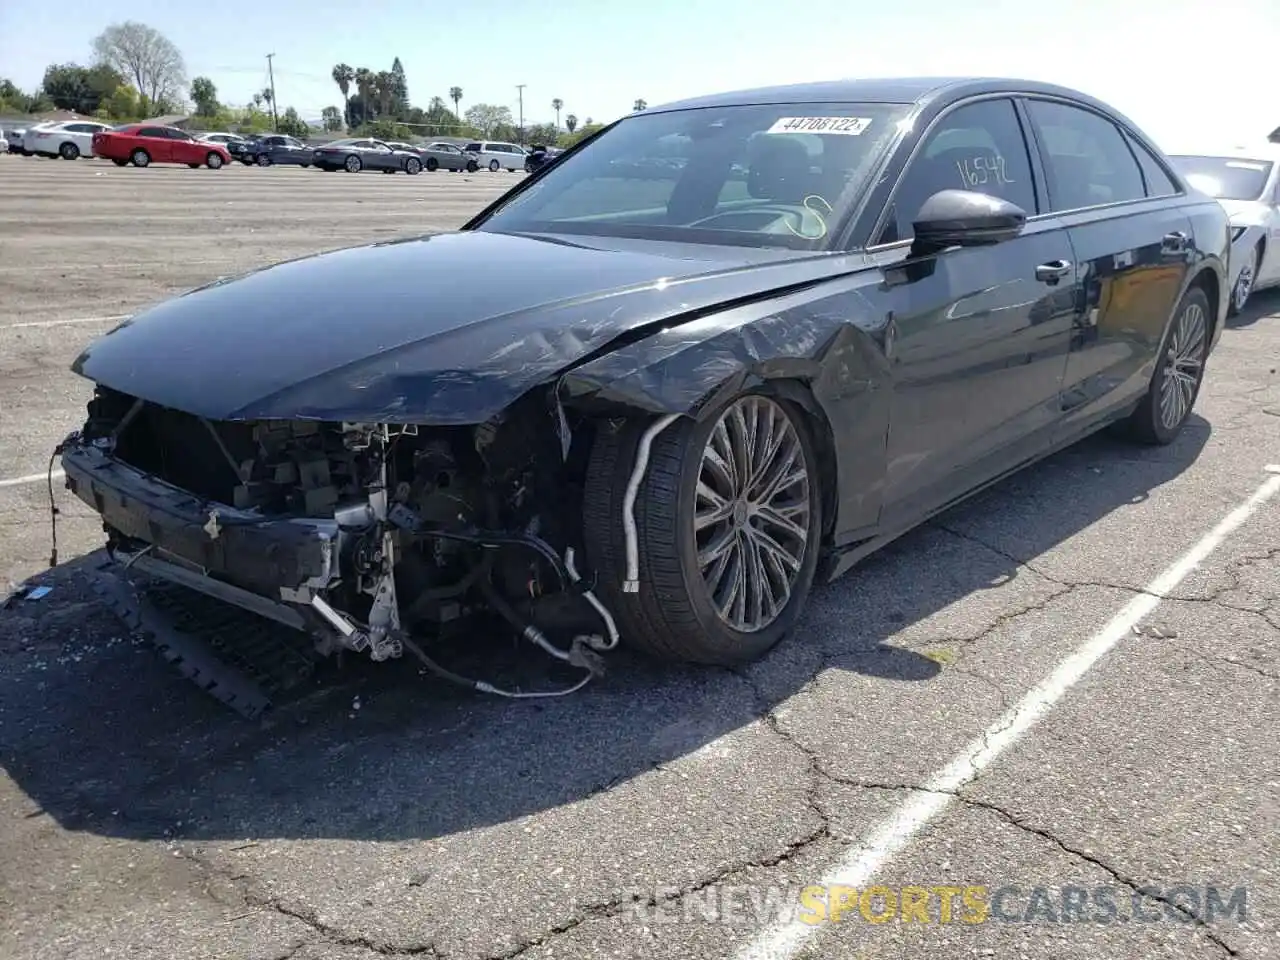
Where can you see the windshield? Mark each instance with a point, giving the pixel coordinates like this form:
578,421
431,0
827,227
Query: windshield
1225,178
761,175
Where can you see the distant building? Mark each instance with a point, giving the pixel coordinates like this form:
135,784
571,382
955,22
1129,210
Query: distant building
171,120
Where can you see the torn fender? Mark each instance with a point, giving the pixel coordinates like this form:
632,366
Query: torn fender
829,338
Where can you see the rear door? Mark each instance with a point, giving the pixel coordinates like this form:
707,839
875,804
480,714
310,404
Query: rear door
977,335
1134,243
156,142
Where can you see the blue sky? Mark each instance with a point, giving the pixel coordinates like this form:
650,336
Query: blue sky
1190,73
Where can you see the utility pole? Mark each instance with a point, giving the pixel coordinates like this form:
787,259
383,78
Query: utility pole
520,89
271,75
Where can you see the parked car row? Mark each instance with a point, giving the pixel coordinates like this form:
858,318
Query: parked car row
142,144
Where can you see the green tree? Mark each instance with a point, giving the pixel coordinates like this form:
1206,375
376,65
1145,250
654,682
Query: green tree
123,104
360,107
291,124
399,90
486,117
569,139
455,94
82,89
205,95
344,76
145,56
543,133
384,92
640,105
332,118
571,123
557,105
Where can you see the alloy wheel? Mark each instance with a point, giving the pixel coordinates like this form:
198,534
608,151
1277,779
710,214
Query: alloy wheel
1244,283
752,513
1183,367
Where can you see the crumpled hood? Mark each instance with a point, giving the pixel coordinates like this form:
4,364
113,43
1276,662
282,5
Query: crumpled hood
449,328
1245,213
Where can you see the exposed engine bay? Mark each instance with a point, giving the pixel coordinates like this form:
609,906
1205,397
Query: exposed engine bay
370,538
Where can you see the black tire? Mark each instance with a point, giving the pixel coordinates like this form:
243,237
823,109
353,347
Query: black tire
213,161
1147,424
352,164
69,151
194,166
672,616
413,166
472,166
494,166
432,163
262,160
121,163
140,158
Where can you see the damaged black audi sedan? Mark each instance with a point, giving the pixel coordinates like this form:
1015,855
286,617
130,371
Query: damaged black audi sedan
719,350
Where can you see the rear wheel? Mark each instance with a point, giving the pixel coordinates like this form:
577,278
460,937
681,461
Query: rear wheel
1179,372
353,164
264,160
140,158
494,166
69,151
728,521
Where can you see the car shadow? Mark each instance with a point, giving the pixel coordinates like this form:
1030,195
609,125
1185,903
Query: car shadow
1262,305
104,737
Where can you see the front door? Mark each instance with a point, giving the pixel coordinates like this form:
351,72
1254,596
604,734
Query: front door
1134,243
979,334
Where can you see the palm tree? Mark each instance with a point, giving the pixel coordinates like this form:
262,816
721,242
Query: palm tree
343,75
571,123
640,105
455,94
557,105
364,87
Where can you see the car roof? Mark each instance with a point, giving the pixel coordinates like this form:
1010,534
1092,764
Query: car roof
1261,151
905,90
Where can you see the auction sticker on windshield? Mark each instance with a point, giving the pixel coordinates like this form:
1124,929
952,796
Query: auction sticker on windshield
846,126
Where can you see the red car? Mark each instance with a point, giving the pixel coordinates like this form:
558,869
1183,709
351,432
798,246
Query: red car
143,144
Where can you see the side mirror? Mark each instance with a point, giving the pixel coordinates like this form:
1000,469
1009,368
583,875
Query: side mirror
964,218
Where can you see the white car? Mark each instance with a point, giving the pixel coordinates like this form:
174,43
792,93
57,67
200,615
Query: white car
4,143
1247,183
70,140
222,138
495,155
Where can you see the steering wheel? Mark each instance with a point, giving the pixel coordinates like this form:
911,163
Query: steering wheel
799,220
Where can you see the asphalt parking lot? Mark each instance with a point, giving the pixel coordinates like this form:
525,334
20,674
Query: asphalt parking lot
658,813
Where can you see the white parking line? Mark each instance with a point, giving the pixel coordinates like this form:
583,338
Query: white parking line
30,478
62,323
784,940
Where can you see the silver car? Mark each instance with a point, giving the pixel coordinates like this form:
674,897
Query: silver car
361,153
1247,183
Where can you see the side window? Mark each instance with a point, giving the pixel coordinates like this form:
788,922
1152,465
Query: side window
1087,161
1157,180
977,147
152,132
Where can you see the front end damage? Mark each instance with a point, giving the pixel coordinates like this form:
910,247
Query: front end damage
367,537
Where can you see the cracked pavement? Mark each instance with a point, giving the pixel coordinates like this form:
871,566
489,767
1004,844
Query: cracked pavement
381,814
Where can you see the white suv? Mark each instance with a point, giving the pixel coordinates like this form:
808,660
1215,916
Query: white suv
496,155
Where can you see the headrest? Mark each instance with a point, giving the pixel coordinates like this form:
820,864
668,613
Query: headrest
780,169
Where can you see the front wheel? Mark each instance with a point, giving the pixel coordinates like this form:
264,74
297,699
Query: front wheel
121,163
1243,289
728,522
472,166
413,166
432,164
264,160
140,158
494,166
1179,372
213,161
